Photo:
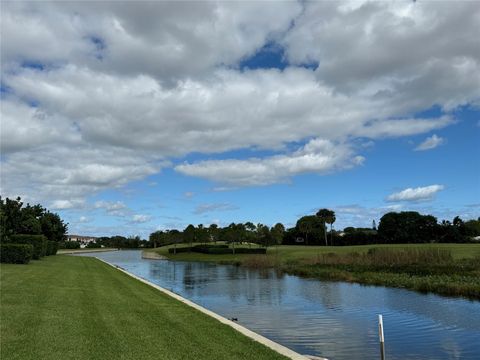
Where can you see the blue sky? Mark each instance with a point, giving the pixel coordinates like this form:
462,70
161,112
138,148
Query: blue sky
129,122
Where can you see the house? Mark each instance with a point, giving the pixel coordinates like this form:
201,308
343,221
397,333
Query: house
83,240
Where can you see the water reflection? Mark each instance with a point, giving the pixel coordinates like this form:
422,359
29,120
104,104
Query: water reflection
332,319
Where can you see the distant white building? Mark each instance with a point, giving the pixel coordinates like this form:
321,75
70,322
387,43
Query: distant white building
83,240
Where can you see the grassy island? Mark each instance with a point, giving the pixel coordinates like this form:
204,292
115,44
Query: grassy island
67,307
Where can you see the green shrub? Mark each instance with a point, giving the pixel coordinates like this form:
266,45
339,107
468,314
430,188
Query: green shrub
72,245
15,253
211,246
37,241
214,250
52,247
217,250
179,250
250,251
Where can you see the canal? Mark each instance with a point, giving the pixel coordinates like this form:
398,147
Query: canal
336,320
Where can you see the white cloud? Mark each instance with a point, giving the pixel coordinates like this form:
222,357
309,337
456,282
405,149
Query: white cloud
53,172
205,208
114,208
84,219
416,194
391,48
168,40
110,205
124,87
317,156
66,204
430,142
140,218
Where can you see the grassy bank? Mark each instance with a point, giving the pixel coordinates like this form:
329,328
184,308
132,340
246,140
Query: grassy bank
68,307
446,269
292,253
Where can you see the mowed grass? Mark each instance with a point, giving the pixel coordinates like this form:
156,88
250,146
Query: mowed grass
287,253
65,307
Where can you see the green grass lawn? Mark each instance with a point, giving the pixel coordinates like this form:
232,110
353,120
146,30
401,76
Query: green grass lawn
65,307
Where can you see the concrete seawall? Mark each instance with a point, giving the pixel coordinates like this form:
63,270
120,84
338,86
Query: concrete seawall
252,335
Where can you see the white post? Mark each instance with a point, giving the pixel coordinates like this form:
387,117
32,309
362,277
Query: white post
381,337
380,328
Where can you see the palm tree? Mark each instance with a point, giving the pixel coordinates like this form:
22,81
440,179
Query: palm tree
323,215
330,219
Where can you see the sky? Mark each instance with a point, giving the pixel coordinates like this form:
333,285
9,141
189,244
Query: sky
131,117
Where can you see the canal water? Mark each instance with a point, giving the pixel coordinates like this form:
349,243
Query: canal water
336,320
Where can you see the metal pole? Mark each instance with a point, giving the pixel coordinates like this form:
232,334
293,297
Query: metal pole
381,337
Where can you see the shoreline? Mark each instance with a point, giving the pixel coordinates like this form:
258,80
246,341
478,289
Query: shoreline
454,278
83,251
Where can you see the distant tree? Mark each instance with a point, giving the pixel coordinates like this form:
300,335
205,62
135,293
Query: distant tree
277,234
231,234
325,215
472,227
189,234
408,227
457,221
330,219
213,232
156,238
264,235
250,233
201,234
310,225
174,237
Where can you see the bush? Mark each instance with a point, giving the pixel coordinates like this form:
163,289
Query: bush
205,246
250,251
52,247
218,249
215,251
39,243
16,253
72,245
179,250
93,245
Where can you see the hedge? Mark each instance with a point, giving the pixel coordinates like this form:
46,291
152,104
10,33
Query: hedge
250,251
52,247
15,253
213,250
39,243
179,250
217,249
72,245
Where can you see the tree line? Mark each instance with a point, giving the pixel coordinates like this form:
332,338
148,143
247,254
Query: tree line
317,229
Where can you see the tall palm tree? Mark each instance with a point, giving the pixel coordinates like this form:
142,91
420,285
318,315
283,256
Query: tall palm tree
330,219
323,215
